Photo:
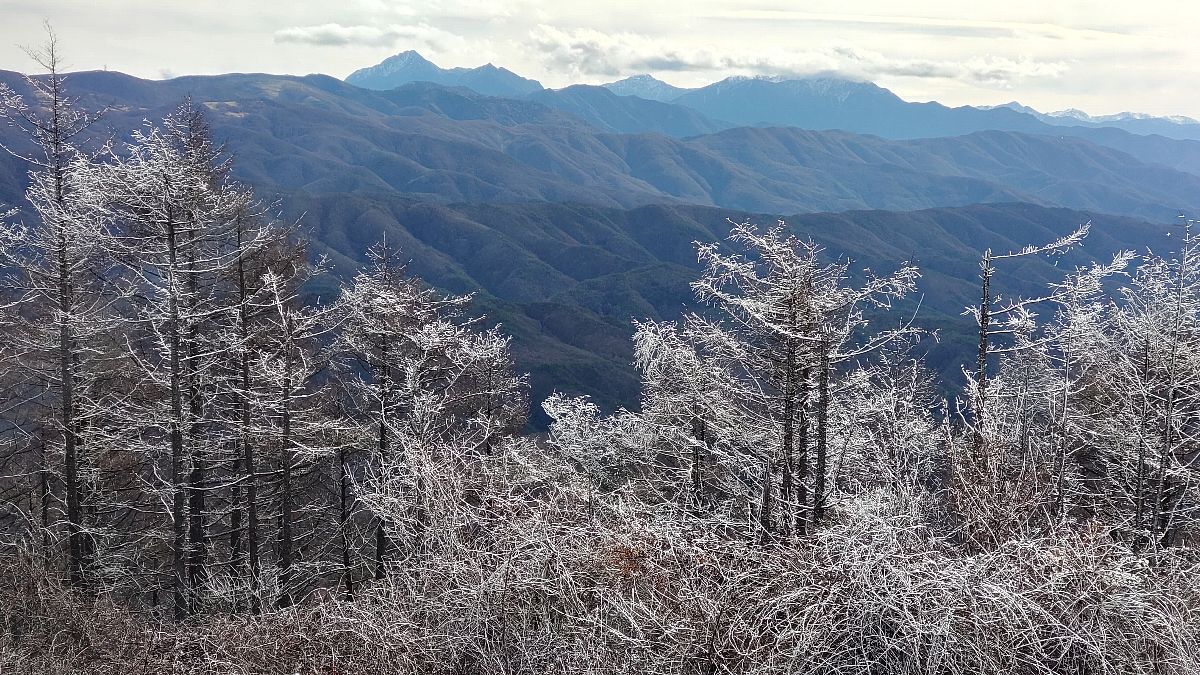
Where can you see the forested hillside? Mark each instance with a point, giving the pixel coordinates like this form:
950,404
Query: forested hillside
566,280
321,135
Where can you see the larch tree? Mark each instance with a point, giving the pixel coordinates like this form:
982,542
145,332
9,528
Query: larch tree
61,263
181,236
289,357
795,318
394,332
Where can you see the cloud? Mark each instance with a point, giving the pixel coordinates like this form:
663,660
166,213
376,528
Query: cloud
337,35
986,70
586,52
589,53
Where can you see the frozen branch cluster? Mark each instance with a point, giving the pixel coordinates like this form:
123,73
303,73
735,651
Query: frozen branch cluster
204,470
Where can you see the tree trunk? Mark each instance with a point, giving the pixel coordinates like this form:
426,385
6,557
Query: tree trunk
764,514
985,315
789,429
76,545
699,434
1060,505
802,455
818,507
344,522
179,503
198,480
381,540
66,347
247,450
286,544
1139,523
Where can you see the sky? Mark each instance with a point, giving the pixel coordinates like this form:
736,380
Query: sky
1099,56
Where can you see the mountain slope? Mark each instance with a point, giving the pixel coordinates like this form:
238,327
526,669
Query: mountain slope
628,114
566,279
410,66
321,135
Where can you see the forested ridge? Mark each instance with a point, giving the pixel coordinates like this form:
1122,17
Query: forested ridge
205,467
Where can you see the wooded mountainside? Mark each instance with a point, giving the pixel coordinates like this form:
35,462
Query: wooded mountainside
228,444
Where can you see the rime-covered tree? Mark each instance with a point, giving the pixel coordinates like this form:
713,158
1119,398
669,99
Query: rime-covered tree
180,237
688,392
287,359
426,381
794,319
61,263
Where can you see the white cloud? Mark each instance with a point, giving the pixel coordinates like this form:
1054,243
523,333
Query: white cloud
587,53
336,35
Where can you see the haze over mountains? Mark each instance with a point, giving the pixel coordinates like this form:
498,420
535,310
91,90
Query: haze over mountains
572,211
821,102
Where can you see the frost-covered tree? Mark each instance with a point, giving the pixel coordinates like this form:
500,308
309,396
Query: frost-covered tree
182,236
287,359
688,394
794,319
60,266
1157,334
426,382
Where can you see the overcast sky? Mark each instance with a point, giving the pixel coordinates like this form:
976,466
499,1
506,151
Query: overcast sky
1100,56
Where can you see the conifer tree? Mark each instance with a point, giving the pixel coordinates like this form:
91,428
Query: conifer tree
61,261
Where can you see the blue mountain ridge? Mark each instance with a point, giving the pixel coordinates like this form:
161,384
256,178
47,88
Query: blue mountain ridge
567,229
642,104
830,102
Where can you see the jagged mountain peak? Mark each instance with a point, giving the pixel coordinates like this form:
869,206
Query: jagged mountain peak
410,66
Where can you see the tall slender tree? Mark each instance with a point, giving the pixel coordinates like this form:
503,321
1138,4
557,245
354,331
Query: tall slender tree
62,261
171,195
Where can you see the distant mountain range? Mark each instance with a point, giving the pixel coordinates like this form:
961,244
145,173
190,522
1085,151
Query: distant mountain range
863,107
1175,126
430,142
818,103
412,67
571,211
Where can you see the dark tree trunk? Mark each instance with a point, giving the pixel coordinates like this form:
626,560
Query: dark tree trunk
179,502
198,480
247,448
344,522
1140,517
818,506
381,539
981,374
789,431
802,455
765,511
287,459
699,435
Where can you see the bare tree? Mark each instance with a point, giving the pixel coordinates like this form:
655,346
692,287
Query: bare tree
396,333
62,261
795,317
170,193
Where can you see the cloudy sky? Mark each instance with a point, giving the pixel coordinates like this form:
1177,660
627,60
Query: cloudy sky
1101,56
